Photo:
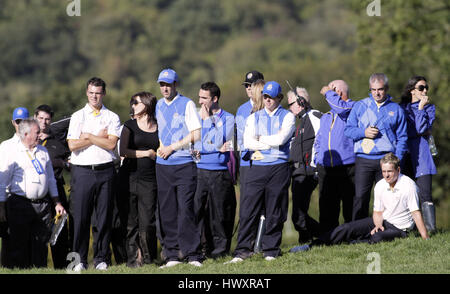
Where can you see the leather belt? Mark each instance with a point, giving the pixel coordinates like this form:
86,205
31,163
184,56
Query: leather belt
97,166
41,200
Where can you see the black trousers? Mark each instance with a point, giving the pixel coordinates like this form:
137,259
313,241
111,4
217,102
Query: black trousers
176,190
359,231
302,189
269,186
63,245
119,222
92,192
29,231
215,210
336,184
367,172
141,224
424,185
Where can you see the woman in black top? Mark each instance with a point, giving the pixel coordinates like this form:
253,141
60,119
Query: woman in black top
138,144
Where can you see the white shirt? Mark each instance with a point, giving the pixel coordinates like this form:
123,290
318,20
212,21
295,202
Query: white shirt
270,141
86,120
18,173
397,203
191,117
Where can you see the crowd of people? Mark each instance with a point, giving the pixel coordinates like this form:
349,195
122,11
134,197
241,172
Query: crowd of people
168,173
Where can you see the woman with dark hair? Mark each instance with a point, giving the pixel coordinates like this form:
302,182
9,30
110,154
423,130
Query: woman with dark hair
419,165
138,144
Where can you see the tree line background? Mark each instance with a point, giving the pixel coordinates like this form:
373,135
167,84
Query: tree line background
47,56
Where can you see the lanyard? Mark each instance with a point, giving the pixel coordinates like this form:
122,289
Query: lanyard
37,165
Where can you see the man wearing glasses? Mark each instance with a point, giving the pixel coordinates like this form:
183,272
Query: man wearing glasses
377,126
301,157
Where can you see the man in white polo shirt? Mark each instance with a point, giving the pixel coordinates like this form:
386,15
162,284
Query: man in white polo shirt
395,211
92,137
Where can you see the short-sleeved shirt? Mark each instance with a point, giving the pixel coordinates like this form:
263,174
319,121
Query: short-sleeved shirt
397,203
86,120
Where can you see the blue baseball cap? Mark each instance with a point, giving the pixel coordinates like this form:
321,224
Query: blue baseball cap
168,75
20,113
272,89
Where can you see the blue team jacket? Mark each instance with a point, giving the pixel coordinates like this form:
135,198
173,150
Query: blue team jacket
420,123
390,120
332,147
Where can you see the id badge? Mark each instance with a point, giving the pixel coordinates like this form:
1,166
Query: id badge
37,166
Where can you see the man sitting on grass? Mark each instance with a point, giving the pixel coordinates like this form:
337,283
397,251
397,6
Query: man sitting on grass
395,212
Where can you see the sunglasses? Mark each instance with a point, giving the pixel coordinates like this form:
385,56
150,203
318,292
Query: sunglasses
292,103
134,102
269,97
422,87
247,85
18,121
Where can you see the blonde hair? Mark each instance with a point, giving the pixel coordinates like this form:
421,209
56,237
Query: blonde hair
258,101
391,159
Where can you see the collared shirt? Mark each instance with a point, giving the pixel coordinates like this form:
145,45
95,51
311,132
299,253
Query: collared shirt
397,203
19,174
268,141
192,118
86,120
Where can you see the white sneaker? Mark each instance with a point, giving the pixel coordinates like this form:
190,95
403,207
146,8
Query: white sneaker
102,266
234,260
170,264
79,267
195,263
269,258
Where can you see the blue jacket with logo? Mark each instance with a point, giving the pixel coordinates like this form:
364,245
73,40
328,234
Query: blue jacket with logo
390,120
419,124
332,147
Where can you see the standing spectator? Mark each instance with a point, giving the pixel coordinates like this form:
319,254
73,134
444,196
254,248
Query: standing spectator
92,137
215,198
267,182
19,114
301,156
335,158
242,114
377,126
138,145
420,115
28,172
59,154
176,173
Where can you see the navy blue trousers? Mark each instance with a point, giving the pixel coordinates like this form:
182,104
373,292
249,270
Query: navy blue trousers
215,209
176,190
367,173
92,191
359,231
264,186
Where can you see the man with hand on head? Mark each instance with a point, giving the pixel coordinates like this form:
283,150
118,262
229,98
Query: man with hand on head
335,158
176,173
